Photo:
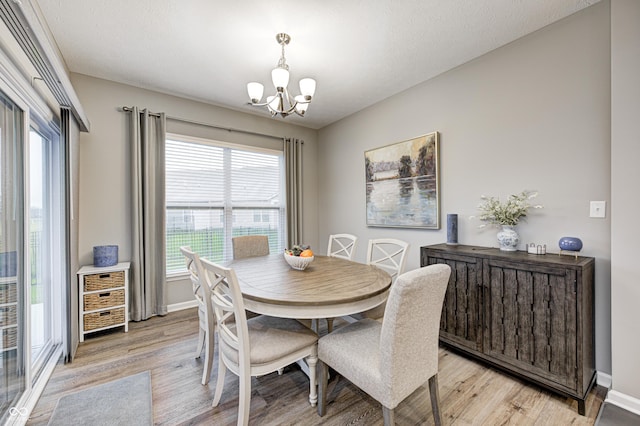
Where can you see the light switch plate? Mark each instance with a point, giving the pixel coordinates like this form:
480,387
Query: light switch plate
598,209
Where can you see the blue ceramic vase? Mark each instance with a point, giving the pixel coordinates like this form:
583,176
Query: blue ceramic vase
452,229
508,238
570,244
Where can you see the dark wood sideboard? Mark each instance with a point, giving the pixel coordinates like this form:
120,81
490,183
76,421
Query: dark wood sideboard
530,315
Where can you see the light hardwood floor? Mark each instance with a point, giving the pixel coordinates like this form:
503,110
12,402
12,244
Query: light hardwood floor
470,392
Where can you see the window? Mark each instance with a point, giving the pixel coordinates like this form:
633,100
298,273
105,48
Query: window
216,191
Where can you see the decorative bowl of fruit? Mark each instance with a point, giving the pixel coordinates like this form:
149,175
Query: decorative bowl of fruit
299,257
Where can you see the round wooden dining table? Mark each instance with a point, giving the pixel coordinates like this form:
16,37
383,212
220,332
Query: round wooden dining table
329,287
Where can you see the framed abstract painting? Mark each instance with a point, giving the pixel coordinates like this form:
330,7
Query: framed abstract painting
403,184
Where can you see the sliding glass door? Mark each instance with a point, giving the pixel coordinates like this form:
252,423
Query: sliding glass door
32,255
12,318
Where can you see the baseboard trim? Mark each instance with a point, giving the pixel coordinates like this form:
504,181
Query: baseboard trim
625,401
603,379
182,305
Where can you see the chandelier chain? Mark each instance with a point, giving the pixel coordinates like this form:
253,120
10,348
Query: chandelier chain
282,63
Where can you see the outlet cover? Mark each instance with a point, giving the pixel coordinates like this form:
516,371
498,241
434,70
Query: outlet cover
598,209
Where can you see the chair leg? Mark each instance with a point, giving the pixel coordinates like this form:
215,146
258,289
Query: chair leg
201,338
312,360
245,399
208,357
389,416
323,373
435,399
222,369
329,325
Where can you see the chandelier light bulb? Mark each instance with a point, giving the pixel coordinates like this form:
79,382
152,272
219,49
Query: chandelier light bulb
255,91
283,103
274,104
280,77
307,88
301,105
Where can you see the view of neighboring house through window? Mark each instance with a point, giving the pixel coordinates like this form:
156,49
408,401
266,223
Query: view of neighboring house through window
215,191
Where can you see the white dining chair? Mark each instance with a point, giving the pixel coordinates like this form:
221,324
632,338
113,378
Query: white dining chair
257,346
342,245
206,320
389,360
390,255
249,246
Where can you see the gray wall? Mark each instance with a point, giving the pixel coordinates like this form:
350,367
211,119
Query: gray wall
534,114
105,206
625,175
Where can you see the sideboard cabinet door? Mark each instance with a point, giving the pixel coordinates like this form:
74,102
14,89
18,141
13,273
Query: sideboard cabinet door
461,319
530,319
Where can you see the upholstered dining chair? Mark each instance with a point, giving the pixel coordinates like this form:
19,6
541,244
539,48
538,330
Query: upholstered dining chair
250,246
342,245
205,313
257,346
389,360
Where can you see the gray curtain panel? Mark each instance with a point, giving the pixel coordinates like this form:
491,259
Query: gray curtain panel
293,172
148,283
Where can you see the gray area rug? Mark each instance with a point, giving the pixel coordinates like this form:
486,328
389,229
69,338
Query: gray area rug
125,401
612,415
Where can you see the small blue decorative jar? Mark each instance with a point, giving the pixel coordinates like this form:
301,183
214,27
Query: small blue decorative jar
570,244
105,256
8,264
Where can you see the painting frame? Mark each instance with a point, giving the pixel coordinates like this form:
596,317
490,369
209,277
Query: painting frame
402,183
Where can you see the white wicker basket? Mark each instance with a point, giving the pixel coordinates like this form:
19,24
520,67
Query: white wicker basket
297,262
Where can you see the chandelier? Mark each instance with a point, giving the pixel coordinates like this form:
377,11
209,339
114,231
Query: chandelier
282,103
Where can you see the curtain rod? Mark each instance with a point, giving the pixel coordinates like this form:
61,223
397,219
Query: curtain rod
200,123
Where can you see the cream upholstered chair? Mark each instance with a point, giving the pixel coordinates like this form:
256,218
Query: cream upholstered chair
205,314
249,246
342,245
257,346
389,360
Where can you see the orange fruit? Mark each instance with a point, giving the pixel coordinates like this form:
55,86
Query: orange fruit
306,253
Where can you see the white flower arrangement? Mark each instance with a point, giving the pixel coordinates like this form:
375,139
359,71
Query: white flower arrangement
509,213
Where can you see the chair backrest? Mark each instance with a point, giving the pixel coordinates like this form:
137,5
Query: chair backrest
410,329
231,318
388,254
201,290
250,246
342,245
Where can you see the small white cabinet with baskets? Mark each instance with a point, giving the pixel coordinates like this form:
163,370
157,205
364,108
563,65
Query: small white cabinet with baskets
104,298
8,315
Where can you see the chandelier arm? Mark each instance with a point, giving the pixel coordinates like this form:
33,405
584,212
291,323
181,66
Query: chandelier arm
292,102
258,104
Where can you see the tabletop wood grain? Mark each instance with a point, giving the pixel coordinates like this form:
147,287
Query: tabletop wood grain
326,281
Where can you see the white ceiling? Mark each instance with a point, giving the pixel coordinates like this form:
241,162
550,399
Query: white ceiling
359,51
